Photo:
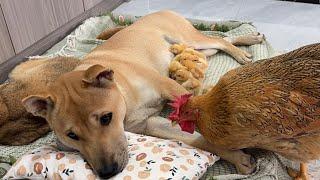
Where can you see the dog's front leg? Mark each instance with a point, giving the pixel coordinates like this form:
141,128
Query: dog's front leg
162,128
170,88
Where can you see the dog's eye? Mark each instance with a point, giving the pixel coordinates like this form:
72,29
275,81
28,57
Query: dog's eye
73,136
106,119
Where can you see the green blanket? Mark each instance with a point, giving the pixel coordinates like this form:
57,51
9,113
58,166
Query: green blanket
82,40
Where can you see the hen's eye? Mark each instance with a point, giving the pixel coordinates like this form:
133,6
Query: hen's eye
106,119
73,136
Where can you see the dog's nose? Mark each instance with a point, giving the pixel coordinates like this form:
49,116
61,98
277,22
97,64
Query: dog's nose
108,171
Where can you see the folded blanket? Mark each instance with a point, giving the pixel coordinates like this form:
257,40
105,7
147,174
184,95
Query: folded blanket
82,40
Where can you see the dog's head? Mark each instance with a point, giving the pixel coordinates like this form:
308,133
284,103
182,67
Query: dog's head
86,110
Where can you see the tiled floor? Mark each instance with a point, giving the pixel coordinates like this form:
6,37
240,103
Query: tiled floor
287,25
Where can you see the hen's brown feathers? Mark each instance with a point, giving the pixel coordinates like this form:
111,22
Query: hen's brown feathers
272,104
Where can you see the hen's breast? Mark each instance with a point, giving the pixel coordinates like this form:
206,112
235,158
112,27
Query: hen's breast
275,104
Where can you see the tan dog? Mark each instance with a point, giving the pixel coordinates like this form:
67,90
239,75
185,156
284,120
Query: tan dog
17,126
120,86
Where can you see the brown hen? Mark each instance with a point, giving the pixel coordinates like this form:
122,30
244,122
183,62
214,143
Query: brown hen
272,104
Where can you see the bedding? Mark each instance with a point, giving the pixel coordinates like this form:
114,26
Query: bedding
4,167
82,40
149,158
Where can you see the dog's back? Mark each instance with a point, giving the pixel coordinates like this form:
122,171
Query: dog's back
146,41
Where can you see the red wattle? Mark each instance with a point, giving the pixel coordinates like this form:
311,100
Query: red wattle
187,126
177,104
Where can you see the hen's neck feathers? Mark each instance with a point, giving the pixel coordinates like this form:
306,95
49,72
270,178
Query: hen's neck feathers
208,103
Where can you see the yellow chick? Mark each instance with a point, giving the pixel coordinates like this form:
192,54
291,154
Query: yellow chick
177,48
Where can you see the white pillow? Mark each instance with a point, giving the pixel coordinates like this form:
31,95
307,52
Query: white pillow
149,158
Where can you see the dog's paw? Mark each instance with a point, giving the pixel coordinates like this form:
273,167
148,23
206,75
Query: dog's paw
245,164
255,38
242,56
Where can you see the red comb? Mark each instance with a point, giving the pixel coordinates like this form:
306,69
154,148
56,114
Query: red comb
175,116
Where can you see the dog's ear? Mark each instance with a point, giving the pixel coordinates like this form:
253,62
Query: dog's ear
98,76
38,105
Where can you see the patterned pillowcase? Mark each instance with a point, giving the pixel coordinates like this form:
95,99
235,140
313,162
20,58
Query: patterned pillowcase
149,158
